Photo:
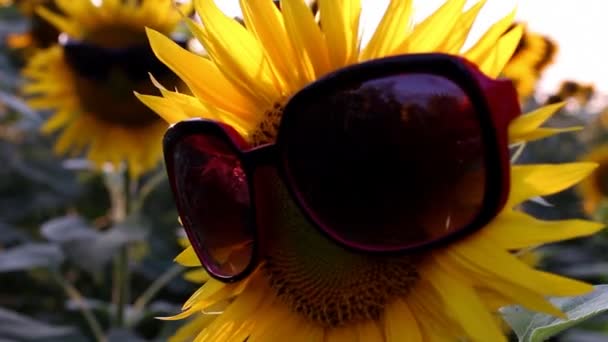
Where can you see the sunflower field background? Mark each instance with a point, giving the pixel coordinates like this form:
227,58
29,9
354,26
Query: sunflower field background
87,247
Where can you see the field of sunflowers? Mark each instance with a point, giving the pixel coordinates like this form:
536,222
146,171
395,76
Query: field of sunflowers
92,247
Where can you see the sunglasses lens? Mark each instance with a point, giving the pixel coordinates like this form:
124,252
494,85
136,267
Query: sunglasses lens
388,163
87,60
212,194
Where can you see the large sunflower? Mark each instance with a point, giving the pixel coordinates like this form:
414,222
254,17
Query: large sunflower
91,93
308,288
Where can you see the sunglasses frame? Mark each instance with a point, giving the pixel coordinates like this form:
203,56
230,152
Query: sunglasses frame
495,102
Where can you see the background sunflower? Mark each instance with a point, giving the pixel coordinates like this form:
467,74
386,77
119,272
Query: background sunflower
36,34
534,53
88,78
594,190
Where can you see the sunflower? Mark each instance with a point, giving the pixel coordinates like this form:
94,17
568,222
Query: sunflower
308,288
534,53
568,89
40,34
88,79
594,189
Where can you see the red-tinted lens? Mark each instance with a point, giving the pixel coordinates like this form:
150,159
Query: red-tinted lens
389,163
212,194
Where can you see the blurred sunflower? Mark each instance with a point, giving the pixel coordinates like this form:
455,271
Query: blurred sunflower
534,53
41,34
89,77
308,288
594,189
568,89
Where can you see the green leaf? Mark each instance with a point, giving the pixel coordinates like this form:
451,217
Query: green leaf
68,228
19,106
17,327
10,234
93,253
535,327
123,335
30,255
579,335
88,248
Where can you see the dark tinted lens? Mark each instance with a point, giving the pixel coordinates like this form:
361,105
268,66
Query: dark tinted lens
96,62
212,194
139,62
392,162
88,60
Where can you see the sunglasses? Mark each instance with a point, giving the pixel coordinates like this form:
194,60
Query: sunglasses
96,63
393,155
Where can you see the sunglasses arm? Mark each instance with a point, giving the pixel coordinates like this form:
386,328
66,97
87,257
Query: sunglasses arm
503,102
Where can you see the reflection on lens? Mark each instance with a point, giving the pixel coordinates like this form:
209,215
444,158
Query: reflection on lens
212,194
389,163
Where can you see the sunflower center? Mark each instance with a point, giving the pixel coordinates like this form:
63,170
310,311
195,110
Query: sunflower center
267,130
316,278
108,66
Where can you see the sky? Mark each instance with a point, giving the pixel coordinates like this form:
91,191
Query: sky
575,25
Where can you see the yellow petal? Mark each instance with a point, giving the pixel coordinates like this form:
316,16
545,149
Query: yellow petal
486,43
265,21
58,120
430,34
182,241
503,291
529,181
166,109
391,32
481,257
340,21
273,316
237,53
517,230
188,258
277,323
341,334
529,122
400,323
502,52
460,33
307,39
191,107
197,276
200,75
512,293
63,24
210,289
542,132
369,330
240,310
192,328
465,305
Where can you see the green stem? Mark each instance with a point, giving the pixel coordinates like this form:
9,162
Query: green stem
75,295
145,191
116,183
122,282
156,286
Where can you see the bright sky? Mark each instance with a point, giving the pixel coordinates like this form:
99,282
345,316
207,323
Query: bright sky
575,25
